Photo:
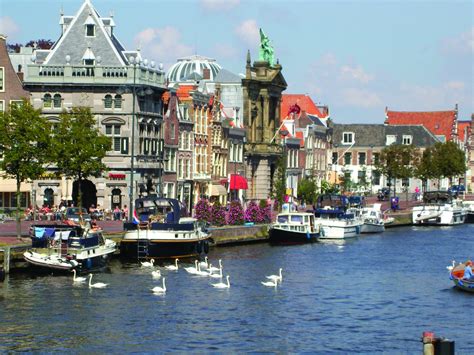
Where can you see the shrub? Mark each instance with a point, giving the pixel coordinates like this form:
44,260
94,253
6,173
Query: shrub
202,211
217,214
236,213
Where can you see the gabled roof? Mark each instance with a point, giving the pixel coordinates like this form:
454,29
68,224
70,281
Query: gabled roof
464,127
440,123
305,103
73,41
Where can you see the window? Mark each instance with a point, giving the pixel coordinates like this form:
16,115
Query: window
57,101
118,101
47,101
334,157
2,79
347,158
406,140
347,138
390,139
108,101
376,177
362,158
405,182
376,158
90,30
361,176
89,61
172,130
113,131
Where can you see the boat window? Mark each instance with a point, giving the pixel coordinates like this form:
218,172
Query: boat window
297,219
282,219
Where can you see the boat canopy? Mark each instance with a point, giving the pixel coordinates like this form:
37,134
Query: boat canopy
437,197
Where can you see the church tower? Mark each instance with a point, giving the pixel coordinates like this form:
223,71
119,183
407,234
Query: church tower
262,89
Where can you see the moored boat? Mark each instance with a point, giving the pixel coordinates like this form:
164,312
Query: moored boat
293,228
163,231
469,207
457,274
63,247
439,208
373,219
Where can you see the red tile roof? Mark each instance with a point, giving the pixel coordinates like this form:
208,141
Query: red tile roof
305,103
437,122
463,127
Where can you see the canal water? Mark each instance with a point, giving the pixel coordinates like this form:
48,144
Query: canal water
377,293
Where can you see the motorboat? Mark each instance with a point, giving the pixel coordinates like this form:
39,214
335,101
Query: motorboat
457,274
293,228
68,246
439,208
334,220
469,207
373,219
162,229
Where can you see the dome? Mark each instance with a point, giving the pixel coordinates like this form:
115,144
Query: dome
192,68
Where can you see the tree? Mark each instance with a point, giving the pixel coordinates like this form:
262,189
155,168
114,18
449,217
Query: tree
307,190
427,169
79,146
449,160
398,161
328,187
25,145
279,190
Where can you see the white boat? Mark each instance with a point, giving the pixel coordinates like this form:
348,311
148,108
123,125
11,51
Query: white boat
294,228
334,222
439,208
373,219
469,207
66,247
162,231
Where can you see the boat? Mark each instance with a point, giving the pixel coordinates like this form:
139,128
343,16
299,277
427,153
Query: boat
469,207
439,208
335,222
293,228
162,230
456,276
68,246
373,219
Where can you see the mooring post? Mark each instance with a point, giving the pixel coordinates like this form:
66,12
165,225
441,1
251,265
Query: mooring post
6,260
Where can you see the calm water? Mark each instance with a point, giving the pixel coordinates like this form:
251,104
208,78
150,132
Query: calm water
376,293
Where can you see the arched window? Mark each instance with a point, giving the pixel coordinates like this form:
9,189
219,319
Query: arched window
108,101
57,101
47,100
118,101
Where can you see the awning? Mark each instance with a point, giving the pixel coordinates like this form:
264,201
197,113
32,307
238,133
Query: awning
217,190
238,182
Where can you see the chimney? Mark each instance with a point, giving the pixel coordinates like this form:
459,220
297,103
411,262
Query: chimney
20,73
206,73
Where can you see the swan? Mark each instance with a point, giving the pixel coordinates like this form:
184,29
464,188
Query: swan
148,263
213,268
223,285
159,289
78,279
276,277
192,270
156,274
172,267
216,276
204,263
273,283
96,285
199,272
451,267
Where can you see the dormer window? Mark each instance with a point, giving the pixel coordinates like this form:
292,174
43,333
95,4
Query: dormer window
407,140
390,139
348,138
90,26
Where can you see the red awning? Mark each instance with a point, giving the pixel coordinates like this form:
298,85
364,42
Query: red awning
238,182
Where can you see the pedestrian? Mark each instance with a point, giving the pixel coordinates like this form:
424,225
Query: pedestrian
124,212
117,213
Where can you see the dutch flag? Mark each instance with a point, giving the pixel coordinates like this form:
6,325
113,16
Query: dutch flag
135,219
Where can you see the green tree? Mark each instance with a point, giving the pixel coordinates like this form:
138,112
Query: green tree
279,187
450,160
427,169
307,190
25,145
398,161
328,187
79,146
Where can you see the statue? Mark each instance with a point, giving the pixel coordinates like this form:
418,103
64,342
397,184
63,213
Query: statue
266,50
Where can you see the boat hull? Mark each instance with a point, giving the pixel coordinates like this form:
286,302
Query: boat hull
44,262
339,232
164,249
372,228
469,217
286,237
438,218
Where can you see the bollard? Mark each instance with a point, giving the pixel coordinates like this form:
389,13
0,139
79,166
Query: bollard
6,260
443,346
428,347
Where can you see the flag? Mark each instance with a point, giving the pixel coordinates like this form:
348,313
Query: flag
135,219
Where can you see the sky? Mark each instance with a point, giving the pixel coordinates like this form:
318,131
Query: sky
357,57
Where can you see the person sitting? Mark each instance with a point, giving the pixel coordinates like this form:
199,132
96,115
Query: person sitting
468,275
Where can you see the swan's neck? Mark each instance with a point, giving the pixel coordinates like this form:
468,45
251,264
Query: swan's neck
176,263
164,285
90,280
228,282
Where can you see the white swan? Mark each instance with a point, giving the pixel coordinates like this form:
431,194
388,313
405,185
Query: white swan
192,270
216,276
200,272
148,263
78,279
96,285
222,284
213,268
276,277
172,267
205,263
156,274
451,267
159,289
273,283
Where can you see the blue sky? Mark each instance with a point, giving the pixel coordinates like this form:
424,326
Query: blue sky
355,56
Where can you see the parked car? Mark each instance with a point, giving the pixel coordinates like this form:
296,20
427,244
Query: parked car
72,214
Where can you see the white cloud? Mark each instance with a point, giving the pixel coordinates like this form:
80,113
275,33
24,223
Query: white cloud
355,73
8,27
463,43
361,98
248,32
219,5
162,45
